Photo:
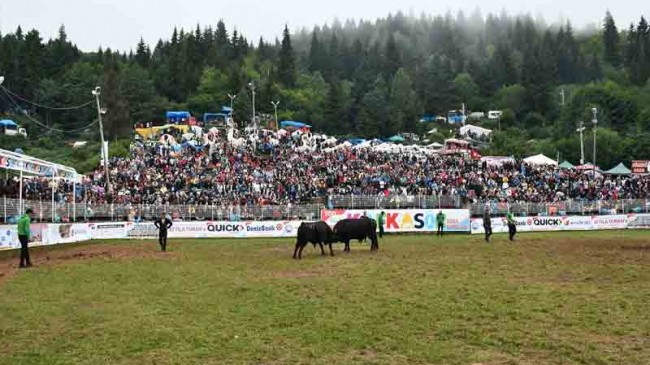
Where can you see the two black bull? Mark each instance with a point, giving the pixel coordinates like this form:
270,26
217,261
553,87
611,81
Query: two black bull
344,231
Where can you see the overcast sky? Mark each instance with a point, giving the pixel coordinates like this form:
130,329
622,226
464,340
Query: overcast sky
119,24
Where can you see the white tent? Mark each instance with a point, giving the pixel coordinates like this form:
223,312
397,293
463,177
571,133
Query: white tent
540,160
478,131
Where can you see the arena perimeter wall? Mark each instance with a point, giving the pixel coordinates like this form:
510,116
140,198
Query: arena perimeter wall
397,221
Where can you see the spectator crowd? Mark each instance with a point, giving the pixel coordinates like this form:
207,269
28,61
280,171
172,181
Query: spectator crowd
277,168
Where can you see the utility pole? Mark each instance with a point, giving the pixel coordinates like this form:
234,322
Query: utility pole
595,122
275,106
232,99
97,92
252,85
581,129
232,110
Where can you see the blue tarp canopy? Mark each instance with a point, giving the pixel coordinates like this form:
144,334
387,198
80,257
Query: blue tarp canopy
356,141
178,115
8,123
396,139
428,118
226,110
292,124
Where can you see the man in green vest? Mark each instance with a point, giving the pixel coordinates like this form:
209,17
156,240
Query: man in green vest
512,225
381,219
441,219
24,234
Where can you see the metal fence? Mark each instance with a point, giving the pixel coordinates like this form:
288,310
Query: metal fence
65,212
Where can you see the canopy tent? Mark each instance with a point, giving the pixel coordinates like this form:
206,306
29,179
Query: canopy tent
148,132
27,165
540,160
475,130
396,139
7,123
435,145
175,115
586,167
497,160
620,169
567,165
292,124
356,141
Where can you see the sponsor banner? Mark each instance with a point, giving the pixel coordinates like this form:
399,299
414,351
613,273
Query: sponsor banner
405,220
216,229
638,221
66,233
641,167
100,231
544,224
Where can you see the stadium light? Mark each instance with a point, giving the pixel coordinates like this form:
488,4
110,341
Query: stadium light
232,99
581,129
97,92
252,86
594,111
275,106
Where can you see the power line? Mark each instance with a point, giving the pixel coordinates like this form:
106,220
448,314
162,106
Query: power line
44,125
44,106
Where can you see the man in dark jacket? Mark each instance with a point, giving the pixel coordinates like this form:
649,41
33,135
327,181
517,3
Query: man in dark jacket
487,223
163,224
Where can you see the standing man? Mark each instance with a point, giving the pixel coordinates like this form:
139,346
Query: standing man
24,234
441,218
163,224
512,225
381,218
487,223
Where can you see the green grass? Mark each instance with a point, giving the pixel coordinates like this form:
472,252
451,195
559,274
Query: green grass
579,298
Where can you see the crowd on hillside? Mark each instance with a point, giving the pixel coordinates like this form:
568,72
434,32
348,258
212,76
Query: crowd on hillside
268,168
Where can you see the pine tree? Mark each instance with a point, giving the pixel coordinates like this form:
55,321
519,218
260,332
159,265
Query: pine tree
611,41
333,109
287,63
142,54
392,60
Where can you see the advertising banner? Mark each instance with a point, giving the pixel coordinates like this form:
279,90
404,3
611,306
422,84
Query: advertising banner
100,231
217,229
546,224
406,220
641,167
66,233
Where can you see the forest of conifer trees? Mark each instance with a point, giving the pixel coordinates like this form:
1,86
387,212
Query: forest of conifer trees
358,78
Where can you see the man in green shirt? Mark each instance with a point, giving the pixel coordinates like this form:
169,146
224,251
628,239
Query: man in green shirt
381,219
441,218
24,234
512,225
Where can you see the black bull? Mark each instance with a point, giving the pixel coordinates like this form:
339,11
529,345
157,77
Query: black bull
359,229
316,233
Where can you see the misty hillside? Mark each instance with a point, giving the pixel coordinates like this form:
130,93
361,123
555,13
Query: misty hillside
369,78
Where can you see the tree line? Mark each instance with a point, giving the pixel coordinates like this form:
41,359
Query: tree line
359,78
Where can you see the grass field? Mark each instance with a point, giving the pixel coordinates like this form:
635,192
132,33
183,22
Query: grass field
578,298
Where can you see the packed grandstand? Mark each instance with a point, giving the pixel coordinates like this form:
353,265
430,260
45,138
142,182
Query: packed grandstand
189,165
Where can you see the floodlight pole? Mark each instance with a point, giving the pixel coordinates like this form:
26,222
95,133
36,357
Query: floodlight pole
595,121
275,106
580,129
232,99
97,92
252,85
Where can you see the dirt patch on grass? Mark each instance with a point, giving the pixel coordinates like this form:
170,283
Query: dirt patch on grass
293,274
52,256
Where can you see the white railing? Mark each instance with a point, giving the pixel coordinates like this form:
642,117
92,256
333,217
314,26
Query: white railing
48,211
